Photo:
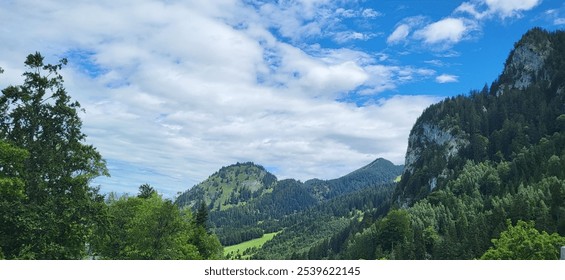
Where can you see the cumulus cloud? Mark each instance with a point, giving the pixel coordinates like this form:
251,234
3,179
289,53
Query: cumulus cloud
509,8
446,78
179,89
464,23
448,30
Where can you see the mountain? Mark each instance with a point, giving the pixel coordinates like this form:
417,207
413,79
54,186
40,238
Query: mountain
246,201
518,110
230,186
377,172
477,164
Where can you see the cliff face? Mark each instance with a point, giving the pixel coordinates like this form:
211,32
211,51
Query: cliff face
525,64
471,127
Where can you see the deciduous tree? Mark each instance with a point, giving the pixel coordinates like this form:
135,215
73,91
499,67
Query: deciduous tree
58,205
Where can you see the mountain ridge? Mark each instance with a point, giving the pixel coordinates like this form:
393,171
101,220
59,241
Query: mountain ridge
264,210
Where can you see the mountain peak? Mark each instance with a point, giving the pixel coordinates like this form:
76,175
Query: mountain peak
526,61
231,185
378,163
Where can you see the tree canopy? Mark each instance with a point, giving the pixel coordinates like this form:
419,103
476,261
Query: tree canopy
47,167
524,242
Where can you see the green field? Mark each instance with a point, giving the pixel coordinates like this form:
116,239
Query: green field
398,179
257,243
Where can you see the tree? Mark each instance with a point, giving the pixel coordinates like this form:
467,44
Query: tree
146,191
152,228
524,242
202,215
59,205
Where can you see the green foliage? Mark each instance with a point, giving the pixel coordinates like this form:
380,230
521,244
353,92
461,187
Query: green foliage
322,232
11,167
152,228
495,124
146,191
49,206
202,215
524,242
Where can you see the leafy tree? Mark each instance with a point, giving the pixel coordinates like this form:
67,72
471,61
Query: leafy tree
524,242
58,206
152,228
12,193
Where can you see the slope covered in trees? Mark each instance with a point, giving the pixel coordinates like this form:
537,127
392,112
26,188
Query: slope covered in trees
479,163
282,204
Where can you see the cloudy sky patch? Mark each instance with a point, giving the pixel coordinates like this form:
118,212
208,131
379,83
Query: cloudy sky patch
174,90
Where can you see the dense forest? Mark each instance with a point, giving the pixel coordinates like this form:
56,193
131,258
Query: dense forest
49,210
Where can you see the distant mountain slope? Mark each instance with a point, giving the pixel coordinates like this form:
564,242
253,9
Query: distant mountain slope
375,173
245,200
230,186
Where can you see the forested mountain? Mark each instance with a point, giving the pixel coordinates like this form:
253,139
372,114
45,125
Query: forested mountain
484,178
496,124
377,172
478,164
239,213
230,186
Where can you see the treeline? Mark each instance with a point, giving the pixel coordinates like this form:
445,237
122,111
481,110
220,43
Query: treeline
460,220
49,210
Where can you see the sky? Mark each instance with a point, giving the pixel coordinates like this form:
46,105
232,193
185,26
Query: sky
174,90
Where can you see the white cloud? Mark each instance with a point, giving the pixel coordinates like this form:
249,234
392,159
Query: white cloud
346,36
370,13
448,30
555,16
463,24
470,8
501,8
446,78
187,87
399,34
510,8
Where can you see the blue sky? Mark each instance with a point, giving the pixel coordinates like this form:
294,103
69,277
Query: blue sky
174,90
